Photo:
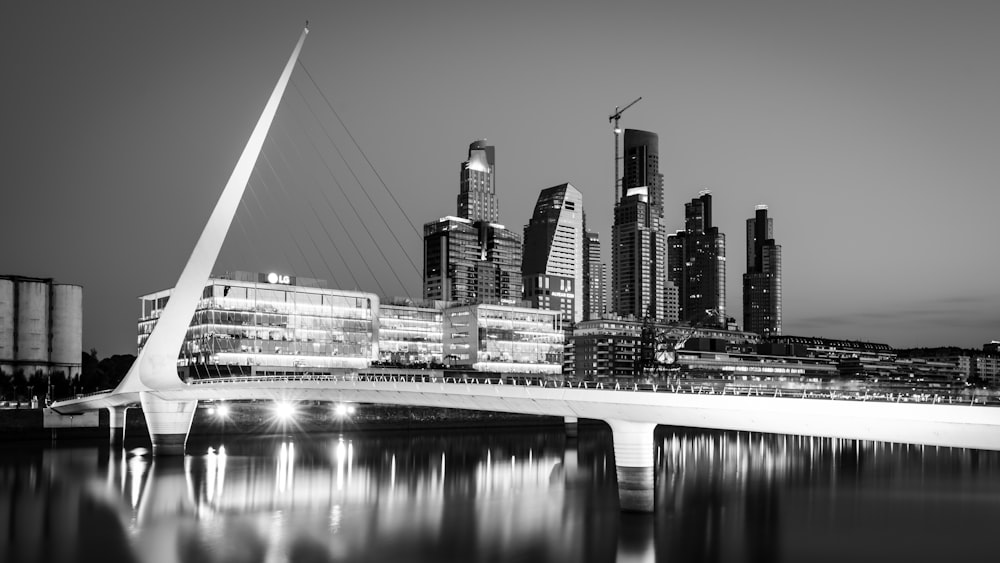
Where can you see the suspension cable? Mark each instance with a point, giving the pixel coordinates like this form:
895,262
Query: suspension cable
351,204
370,165
360,184
323,225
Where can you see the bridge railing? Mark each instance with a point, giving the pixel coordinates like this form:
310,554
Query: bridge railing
676,386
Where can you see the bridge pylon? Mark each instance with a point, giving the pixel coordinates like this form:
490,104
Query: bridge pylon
168,423
155,368
634,464
116,425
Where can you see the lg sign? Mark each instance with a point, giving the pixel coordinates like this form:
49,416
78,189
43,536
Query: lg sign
278,278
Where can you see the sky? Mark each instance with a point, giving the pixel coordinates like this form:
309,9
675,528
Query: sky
871,129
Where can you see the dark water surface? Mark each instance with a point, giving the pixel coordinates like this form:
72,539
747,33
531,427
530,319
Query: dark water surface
497,495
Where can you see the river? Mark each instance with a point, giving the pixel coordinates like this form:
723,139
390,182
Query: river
496,495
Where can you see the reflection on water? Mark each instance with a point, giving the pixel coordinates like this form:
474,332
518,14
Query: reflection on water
497,496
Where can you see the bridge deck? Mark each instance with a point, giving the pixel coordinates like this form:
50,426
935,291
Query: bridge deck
866,416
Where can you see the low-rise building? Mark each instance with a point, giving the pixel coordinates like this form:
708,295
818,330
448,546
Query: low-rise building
266,324
411,334
503,339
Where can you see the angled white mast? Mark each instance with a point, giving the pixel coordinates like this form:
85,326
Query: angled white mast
156,366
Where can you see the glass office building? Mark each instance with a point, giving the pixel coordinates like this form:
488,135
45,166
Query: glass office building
267,324
409,335
502,339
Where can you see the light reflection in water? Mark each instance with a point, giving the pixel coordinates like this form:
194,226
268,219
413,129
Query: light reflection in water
723,496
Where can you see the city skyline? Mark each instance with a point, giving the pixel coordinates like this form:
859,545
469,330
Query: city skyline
870,136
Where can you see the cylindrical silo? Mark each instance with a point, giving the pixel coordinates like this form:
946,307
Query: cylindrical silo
67,329
32,333
6,325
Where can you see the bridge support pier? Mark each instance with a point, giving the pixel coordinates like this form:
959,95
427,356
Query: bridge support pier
634,460
572,427
116,425
168,423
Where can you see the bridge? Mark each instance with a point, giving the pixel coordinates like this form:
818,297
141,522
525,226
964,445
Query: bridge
169,403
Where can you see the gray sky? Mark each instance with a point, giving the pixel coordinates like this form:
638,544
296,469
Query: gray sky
870,128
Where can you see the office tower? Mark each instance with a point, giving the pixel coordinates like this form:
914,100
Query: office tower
553,252
762,282
471,262
472,259
477,200
638,241
594,276
500,275
697,265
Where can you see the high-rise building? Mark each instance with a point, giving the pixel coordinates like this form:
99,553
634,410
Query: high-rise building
595,274
638,241
762,282
471,262
477,200
472,259
697,265
553,252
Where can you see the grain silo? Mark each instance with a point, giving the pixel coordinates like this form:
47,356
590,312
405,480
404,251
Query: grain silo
41,326
31,337
7,323
66,328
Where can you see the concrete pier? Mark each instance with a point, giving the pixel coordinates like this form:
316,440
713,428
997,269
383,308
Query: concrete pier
168,423
116,425
572,427
634,460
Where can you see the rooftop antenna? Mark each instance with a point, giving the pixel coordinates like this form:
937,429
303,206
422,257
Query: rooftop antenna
614,117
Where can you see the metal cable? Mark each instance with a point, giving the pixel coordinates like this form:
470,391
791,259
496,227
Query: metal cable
351,204
370,165
358,180
319,220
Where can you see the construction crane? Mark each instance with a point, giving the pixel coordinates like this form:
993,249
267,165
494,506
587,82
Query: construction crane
667,342
614,117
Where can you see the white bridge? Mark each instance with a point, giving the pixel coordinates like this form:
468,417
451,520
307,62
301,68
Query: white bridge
169,403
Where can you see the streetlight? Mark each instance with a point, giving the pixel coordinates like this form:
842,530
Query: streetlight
342,410
284,411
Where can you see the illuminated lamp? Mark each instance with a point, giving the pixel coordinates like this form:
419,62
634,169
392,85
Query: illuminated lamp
284,411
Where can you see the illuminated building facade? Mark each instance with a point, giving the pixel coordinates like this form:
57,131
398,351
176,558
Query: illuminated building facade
553,252
762,281
248,324
477,199
697,264
409,335
501,339
638,239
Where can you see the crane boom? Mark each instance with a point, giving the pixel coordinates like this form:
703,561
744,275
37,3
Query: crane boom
618,112
613,118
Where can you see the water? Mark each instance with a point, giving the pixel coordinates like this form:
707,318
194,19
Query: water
496,495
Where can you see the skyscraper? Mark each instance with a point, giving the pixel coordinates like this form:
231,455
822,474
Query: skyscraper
471,258
638,241
697,265
477,199
762,282
595,274
553,252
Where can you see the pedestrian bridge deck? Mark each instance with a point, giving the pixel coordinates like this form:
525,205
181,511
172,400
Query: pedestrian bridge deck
919,418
